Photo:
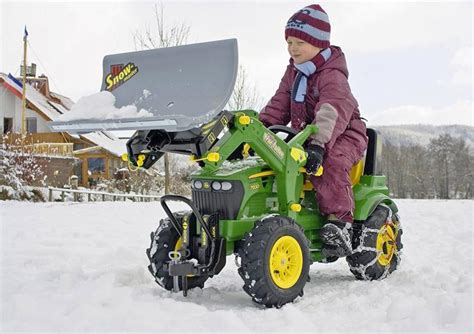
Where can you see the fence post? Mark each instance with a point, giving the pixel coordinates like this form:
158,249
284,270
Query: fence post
103,197
89,197
74,180
62,196
50,194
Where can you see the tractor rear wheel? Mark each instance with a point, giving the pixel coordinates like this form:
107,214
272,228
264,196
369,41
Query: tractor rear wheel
164,240
376,245
275,261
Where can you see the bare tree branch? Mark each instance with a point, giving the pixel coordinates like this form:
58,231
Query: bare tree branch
162,38
245,95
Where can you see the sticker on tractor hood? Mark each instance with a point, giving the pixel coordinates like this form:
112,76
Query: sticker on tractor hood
272,143
119,74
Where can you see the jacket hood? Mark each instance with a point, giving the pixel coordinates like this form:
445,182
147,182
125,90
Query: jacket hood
337,61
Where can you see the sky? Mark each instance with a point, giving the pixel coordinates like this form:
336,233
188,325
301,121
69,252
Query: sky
409,62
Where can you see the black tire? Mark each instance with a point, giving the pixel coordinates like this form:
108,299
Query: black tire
366,262
255,266
164,240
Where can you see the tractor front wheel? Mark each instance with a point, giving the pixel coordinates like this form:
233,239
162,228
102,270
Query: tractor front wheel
376,245
164,240
274,261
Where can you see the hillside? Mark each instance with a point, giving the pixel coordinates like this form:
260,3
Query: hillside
404,135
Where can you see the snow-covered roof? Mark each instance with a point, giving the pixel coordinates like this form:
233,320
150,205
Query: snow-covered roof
59,107
66,101
123,134
53,110
108,141
37,99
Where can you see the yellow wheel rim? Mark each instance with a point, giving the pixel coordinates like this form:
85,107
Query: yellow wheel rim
386,244
286,262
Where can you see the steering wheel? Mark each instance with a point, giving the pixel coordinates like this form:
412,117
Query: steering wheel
290,133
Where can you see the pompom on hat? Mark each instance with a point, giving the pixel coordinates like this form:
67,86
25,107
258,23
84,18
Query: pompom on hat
311,24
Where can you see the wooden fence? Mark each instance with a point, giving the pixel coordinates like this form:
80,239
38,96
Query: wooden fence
98,195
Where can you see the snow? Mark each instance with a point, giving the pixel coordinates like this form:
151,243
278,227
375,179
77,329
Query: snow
59,107
108,141
146,93
66,101
101,106
36,98
82,267
234,166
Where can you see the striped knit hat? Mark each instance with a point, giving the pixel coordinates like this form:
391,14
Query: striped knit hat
311,24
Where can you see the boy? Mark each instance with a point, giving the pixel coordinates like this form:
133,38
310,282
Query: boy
314,89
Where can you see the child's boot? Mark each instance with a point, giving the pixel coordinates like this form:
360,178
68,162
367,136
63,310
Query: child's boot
337,238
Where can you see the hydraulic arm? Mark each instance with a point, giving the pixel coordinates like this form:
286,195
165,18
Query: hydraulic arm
215,142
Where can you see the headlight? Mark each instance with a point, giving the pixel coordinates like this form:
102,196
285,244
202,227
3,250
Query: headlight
216,185
226,186
197,184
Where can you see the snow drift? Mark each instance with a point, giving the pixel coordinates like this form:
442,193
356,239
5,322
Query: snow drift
82,267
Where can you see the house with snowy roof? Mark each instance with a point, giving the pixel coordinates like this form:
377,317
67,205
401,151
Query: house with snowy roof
91,157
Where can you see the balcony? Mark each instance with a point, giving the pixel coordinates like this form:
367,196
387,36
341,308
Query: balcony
52,149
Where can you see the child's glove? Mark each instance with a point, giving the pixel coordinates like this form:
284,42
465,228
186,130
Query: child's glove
314,158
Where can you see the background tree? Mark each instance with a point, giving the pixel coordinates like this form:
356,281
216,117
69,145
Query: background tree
441,152
162,36
19,171
462,169
443,169
245,95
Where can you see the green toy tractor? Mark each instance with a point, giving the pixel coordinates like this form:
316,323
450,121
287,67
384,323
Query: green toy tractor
260,207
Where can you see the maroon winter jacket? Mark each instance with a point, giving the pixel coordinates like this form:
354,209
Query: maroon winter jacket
329,104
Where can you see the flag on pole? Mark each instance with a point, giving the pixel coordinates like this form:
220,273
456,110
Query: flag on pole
13,85
26,33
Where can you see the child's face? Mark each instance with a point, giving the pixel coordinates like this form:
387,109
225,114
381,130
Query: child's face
300,50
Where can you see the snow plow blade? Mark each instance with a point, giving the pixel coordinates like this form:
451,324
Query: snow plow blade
181,87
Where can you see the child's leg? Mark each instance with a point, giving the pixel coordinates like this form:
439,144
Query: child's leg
335,199
334,188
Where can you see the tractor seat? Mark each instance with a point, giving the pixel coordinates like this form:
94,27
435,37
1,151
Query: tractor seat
365,166
357,171
355,174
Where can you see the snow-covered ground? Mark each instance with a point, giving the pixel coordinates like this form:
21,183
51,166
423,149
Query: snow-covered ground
82,267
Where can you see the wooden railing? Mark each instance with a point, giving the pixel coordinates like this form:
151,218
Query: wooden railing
47,149
51,144
57,149
99,195
32,138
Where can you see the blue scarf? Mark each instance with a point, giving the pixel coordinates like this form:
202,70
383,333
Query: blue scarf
304,71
